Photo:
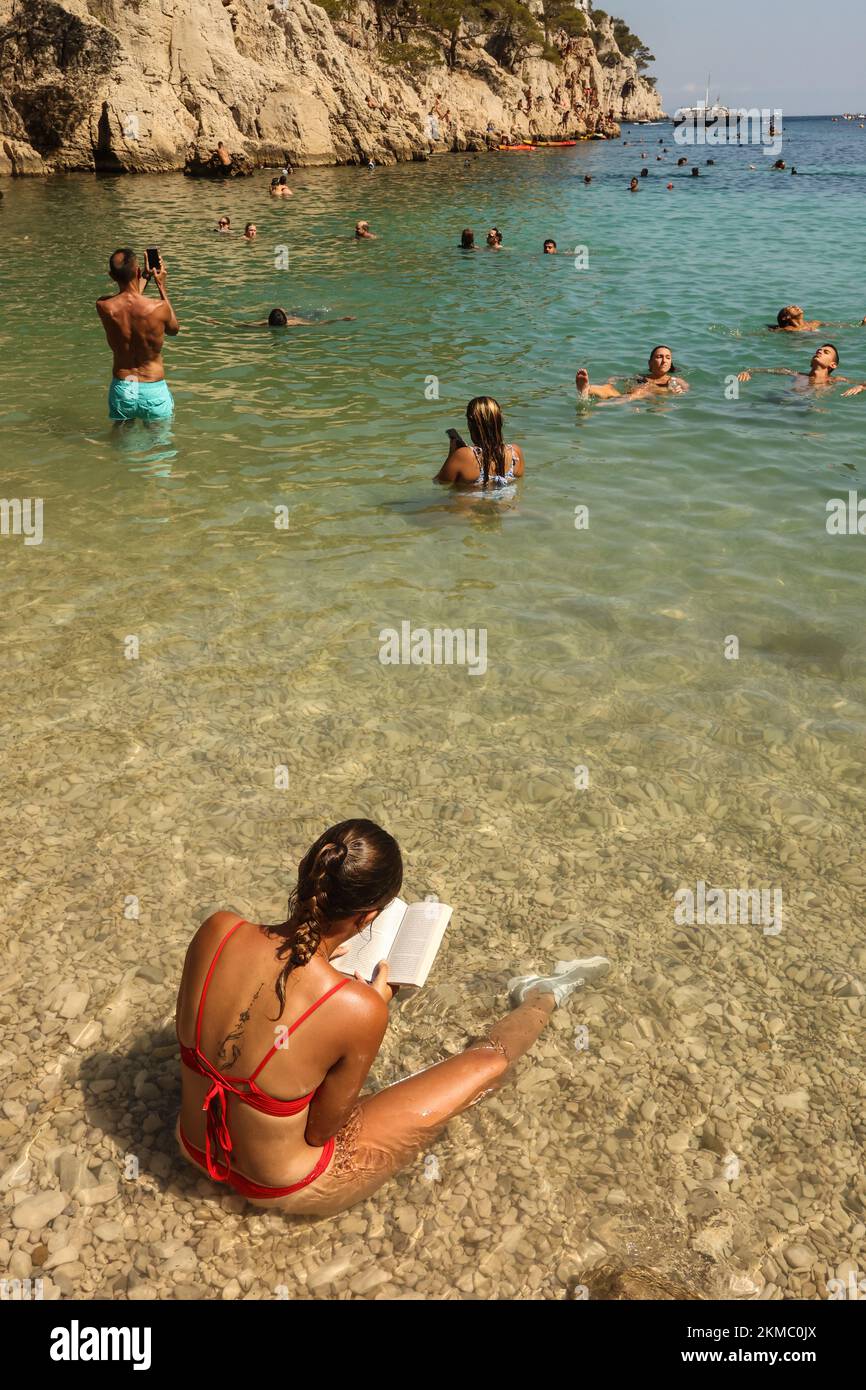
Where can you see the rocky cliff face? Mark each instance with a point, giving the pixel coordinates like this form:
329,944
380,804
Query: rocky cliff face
132,85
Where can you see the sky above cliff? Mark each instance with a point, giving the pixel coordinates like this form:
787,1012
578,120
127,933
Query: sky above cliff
776,53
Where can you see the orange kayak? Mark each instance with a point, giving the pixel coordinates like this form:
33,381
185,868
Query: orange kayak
556,144
517,149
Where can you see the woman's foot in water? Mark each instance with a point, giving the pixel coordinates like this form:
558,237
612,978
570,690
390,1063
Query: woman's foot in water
567,977
586,391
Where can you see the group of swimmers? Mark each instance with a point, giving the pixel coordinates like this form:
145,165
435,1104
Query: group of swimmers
135,327
493,240
661,375
224,226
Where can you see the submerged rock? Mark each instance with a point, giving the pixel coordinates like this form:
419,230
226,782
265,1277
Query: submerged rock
33,1213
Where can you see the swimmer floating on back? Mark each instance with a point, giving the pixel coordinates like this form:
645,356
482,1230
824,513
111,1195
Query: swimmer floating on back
660,377
278,318
820,375
792,319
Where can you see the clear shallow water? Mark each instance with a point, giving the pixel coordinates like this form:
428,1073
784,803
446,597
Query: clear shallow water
259,648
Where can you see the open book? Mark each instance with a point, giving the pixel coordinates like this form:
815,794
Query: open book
408,938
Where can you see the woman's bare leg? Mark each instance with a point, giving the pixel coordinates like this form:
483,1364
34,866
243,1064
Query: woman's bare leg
389,1129
586,391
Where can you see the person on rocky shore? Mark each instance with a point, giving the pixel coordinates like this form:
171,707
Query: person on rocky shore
660,376
331,1147
223,155
135,328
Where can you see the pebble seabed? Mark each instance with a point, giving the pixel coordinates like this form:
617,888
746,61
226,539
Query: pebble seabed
702,1112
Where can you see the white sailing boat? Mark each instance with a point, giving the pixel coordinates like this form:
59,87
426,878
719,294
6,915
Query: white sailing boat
703,113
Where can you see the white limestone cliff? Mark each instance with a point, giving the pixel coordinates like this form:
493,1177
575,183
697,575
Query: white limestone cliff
134,85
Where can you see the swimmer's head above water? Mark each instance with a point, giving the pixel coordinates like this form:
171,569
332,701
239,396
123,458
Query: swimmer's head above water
467,239
345,879
550,247
277,318
826,359
661,362
789,316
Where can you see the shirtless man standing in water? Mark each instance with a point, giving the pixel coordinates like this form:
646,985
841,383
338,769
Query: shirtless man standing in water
135,327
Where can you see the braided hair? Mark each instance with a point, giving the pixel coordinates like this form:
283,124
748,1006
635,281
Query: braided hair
353,867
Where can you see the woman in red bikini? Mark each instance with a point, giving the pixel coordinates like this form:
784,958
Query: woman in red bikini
276,1044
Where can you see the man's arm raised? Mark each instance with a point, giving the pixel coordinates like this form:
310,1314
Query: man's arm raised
172,327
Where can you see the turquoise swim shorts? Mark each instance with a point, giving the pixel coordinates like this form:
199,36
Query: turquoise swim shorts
130,399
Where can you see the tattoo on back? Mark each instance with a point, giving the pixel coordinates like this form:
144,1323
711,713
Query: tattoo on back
236,1035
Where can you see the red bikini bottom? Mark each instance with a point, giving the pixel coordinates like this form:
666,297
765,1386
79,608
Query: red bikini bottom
253,1189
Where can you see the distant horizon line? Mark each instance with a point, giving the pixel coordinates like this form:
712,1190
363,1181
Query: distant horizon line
786,115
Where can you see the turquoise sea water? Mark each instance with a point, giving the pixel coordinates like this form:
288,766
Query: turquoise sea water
606,647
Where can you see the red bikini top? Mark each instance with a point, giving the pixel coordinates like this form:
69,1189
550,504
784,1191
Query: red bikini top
218,1137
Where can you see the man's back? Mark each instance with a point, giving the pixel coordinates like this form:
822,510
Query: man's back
135,328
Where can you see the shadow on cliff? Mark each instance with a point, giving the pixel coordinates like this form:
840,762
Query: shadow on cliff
105,161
